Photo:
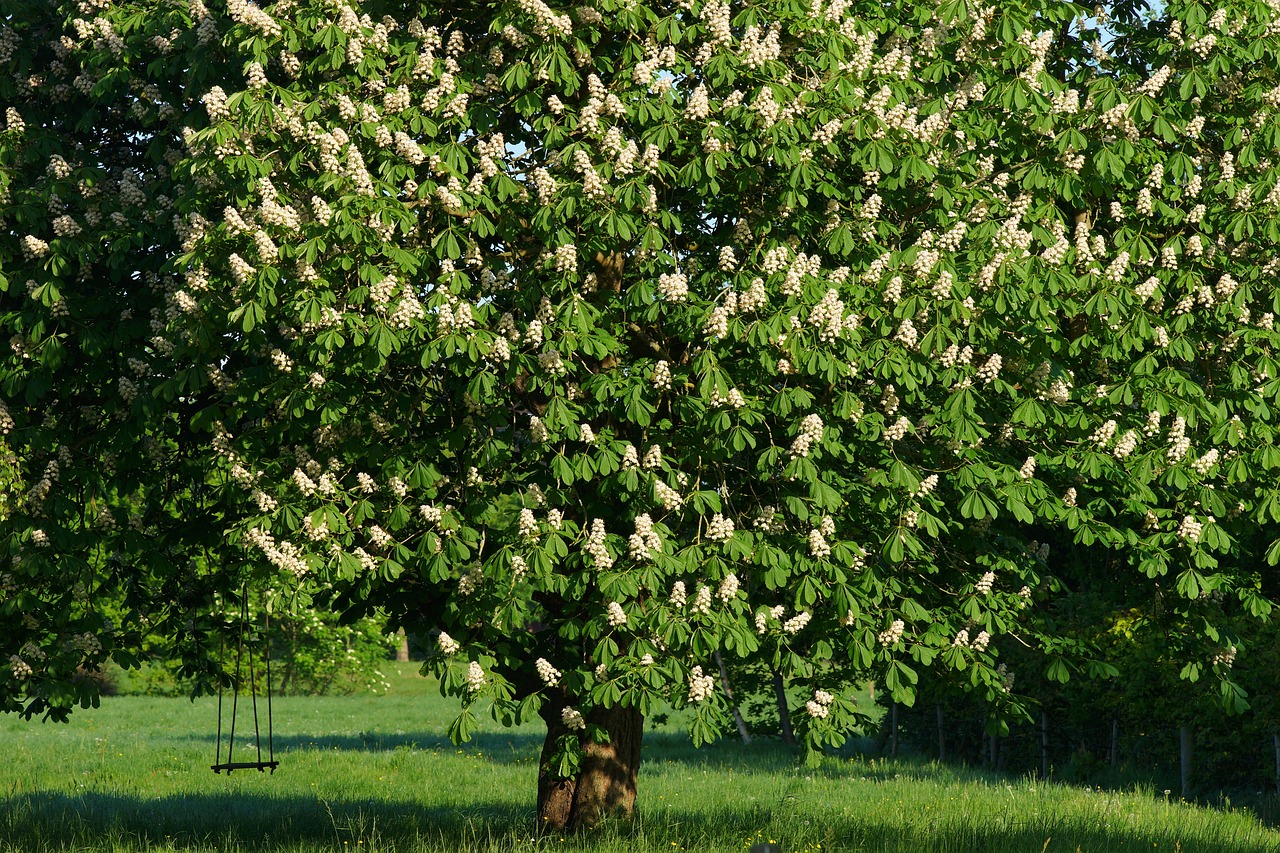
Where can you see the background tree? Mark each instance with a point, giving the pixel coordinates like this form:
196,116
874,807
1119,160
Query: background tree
595,340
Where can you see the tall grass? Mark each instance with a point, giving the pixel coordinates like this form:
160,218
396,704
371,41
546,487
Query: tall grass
378,773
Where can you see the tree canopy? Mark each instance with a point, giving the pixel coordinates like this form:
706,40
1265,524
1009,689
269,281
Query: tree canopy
594,340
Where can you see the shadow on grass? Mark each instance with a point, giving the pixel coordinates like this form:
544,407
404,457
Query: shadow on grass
519,746
45,822
54,821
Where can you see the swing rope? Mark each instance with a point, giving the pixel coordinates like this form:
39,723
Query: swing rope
231,764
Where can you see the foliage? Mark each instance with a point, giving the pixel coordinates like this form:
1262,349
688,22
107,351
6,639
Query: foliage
596,340
1147,701
312,654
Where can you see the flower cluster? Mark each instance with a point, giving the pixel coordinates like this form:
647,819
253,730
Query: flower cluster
1179,443
891,635
701,601
1225,657
720,528
573,719
810,434
20,668
475,677
528,525
652,457
282,555
700,686
820,705
645,541
991,369
616,615
667,496
1028,469
728,588
630,458
662,376
1204,464
797,623
673,287
594,545
447,645
548,673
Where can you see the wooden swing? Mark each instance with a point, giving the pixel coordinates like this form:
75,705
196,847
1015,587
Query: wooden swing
230,764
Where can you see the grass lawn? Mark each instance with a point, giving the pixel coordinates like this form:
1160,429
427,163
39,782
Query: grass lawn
365,773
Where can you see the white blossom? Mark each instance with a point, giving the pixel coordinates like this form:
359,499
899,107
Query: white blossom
700,686
447,644
475,677
892,634
573,719
617,616
720,528
797,623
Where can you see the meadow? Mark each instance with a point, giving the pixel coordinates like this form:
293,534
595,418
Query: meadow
377,773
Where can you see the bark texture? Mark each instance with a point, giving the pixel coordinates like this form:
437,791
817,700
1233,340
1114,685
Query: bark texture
606,780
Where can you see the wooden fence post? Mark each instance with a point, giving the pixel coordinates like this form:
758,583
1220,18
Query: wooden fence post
1115,742
1275,742
1184,743
1044,745
942,740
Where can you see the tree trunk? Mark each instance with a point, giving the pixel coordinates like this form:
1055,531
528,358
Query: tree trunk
743,731
402,651
606,780
784,713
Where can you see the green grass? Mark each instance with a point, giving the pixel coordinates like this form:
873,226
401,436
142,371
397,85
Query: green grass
377,773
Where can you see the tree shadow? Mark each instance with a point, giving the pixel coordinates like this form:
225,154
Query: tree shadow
521,745
498,747
39,822
58,821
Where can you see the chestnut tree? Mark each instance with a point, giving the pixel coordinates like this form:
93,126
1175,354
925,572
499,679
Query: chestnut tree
590,340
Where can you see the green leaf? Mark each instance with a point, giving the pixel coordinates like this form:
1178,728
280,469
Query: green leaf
1058,671
461,729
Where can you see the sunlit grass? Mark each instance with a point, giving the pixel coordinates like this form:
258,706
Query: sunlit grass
377,773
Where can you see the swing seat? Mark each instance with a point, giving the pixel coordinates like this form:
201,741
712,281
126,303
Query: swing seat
245,765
